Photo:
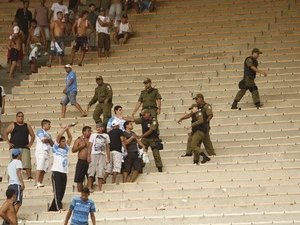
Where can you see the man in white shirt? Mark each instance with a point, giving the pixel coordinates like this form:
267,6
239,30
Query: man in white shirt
60,167
58,7
2,107
102,28
98,156
118,110
42,151
15,179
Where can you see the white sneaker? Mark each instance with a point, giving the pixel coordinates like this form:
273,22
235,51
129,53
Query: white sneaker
40,185
46,53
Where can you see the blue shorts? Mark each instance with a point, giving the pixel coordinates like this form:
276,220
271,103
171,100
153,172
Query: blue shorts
18,191
69,97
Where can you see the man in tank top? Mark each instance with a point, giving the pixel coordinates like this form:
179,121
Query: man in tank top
19,132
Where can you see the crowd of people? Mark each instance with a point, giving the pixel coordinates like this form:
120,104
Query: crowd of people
114,148
47,31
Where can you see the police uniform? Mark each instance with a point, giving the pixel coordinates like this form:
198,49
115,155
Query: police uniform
102,92
200,133
205,109
248,82
149,141
148,99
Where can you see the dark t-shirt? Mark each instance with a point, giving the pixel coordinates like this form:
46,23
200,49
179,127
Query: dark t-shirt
132,146
115,140
23,19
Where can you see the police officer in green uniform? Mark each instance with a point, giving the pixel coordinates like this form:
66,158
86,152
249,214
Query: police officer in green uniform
149,99
103,94
150,135
201,114
248,83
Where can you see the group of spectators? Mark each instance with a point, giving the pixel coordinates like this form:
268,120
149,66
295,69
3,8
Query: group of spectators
47,30
114,148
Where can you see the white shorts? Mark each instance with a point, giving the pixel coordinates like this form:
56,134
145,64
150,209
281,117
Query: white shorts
97,166
42,162
115,164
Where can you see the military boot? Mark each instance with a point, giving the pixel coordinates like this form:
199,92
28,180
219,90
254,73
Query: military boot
258,105
234,105
205,158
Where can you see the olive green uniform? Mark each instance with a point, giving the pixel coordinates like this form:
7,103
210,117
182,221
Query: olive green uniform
148,99
248,82
102,92
206,141
150,140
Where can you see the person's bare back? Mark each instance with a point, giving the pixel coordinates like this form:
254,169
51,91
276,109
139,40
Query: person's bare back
8,211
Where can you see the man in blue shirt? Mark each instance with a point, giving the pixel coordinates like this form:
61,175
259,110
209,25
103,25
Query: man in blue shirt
81,207
70,92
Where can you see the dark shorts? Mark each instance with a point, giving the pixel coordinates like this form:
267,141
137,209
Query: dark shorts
5,223
132,162
82,167
18,191
81,43
53,49
122,35
14,54
104,41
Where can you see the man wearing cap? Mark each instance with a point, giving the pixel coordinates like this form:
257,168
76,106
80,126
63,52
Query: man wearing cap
70,92
103,94
150,135
201,114
15,180
250,70
150,99
117,143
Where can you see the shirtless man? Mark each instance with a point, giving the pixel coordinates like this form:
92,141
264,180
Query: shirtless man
7,210
14,47
81,146
34,42
57,31
79,30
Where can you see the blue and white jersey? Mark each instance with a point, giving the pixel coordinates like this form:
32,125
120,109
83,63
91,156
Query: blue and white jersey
60,158
120,121
42,148
81,210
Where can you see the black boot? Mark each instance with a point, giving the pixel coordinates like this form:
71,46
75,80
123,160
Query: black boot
234,105
205,158
159,169
258,105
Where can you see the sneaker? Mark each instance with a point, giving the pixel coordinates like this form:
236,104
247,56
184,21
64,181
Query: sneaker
30,178
186,155
46,53
40,185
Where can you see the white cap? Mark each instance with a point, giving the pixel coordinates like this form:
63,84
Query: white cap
115,123
16,29
68,66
